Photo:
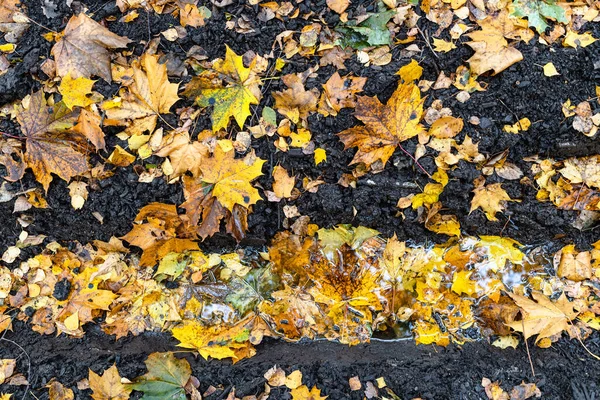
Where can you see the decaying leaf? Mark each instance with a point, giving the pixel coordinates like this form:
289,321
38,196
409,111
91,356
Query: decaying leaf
542,316
50,147
108,386
82,50
150,95
385,126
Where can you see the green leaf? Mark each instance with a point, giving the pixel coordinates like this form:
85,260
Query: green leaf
165,379
247,292
537,13
372,31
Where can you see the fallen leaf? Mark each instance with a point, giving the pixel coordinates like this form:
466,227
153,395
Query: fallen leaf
82,50
50,147
550,70
295,103
386,126
75,91
166,377
230,96
490,198
302,393
151,94
541,316
108,386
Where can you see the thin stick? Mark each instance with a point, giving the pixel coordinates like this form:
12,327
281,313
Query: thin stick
527,347
427,42
415,160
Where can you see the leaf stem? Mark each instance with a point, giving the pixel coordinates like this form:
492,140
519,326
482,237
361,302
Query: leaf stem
12,136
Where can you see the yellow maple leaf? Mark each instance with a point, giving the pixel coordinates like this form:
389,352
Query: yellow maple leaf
150,95
386,126
75,91
462,283
215,341
230,178
108,386
229,97
302,393
491,198
442,46
542,317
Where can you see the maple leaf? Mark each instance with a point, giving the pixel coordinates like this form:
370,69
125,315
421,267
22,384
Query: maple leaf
158,235
340,93
386,126
491,198
462,283
75,91
543,317
57,391
82,49
302,393
294,313
108,386
166,377
232,99
88,125
151,94
184,154
222,191
50,148
295,103
584,170
229,179
538,11
492,51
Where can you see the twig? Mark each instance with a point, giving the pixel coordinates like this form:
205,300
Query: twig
417,163
527,347
513,113
427,42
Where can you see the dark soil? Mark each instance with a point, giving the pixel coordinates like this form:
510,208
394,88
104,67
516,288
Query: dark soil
520,91
565,371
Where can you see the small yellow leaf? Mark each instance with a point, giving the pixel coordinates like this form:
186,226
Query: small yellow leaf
521,125
410,72
461,283
7,48
550,70
120,157
320,156
442,46
72,321
574,39
294,380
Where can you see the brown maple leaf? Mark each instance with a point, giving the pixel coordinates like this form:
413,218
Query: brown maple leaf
295,103
385,125
83,49
156,232
150,95
339,93
184,154
50,147
543,317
